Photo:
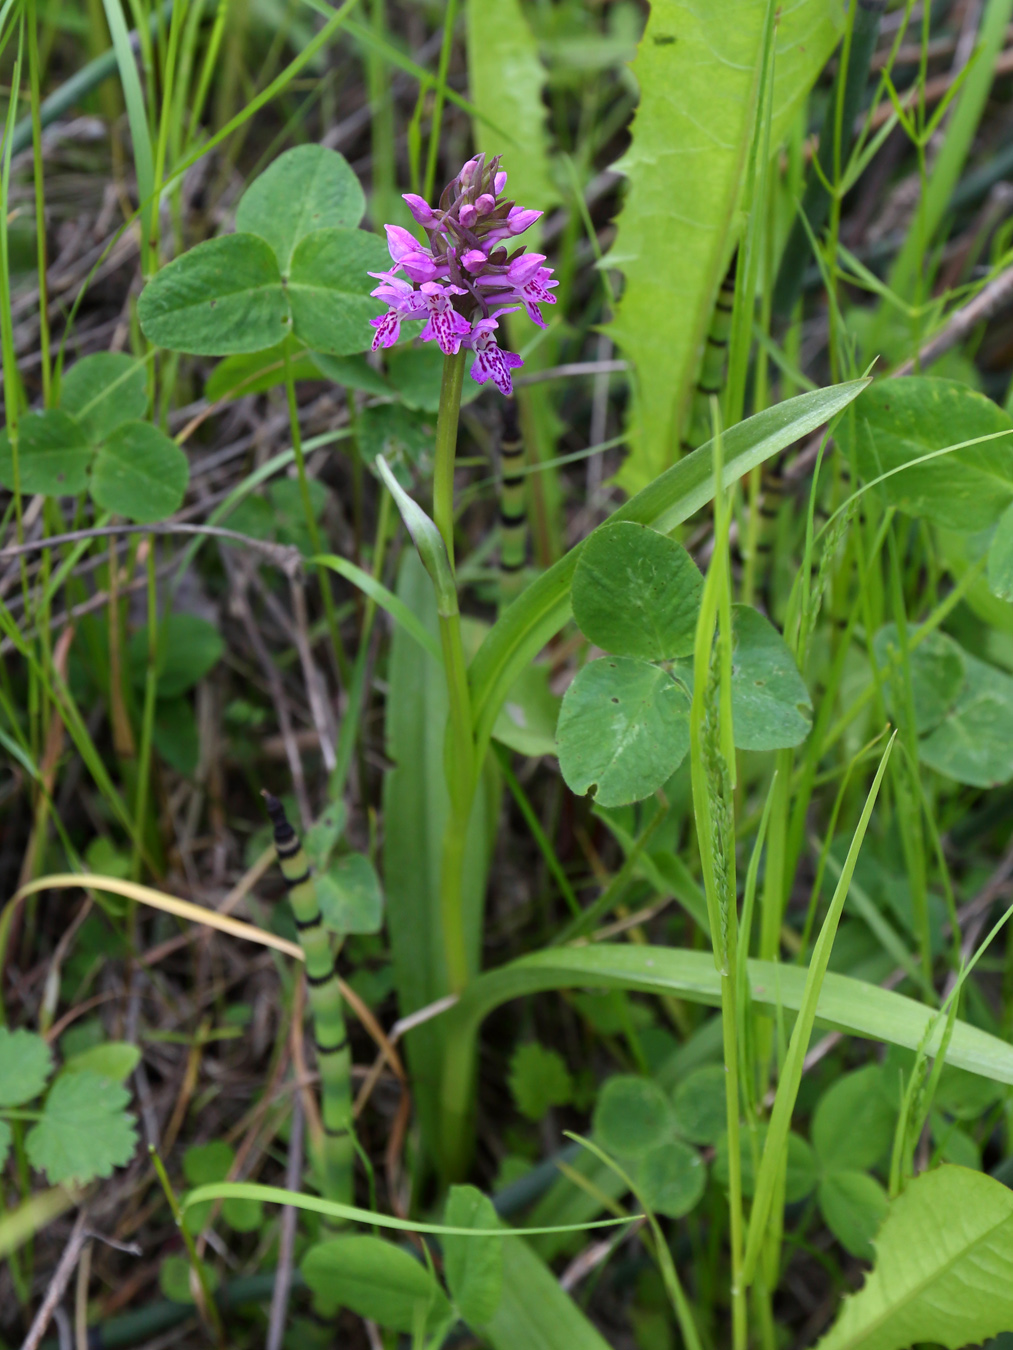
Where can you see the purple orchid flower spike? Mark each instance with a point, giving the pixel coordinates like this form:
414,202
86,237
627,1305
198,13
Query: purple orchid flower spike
464,277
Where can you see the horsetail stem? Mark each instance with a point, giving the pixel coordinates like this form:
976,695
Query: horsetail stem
330,1037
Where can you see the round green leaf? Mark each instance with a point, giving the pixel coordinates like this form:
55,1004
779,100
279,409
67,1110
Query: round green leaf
853,1204
377,1280
329,289
139,473
623,729
25,1066
937,669
771,707
897,421
636,592
699,1105
84,1131
672,1178
350,896
801,1173
975,743
103,391
853,1123
176,736
222,297
632,1116
53,455
242,1215
473,1265
115,1060
305,189
189,648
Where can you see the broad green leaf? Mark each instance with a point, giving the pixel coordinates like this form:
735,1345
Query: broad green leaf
944,1268
632,1116
402,436
672,1178
350,896
174,1277
974,744
139,473
898,421
328,289
354,372
223,297
324,833
84,1131
1000,557
637,592
25,1066
115,1060
539,1079
965,1095
415,809
175,734
188,649
937,667
801,1175
506,82
53,455
853,1205
5,1142
103,391
542,610
377,1280
771,707
853,1123
697,67
527,720
534,1312
203,1164
623,730
473,1266
256,372
698,1105
307,188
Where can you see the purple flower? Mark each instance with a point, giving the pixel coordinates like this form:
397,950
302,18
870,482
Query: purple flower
491,362
445,324
464,276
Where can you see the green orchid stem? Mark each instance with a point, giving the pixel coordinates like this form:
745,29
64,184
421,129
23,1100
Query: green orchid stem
446,449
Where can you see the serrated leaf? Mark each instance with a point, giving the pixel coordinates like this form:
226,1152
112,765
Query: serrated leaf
937,669
103,391
975,742
853,1123
623,729
329,289
771,706
139,473
672,1178
539,1079
897,421
350,895
307,188
473,1266
853,1205
632,1116
189,648
696,67
84,1131
223,297
637,592
377,1280
115,1060
54,455
25,1066
944,1268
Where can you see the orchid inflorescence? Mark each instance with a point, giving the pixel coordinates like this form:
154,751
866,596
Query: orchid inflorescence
467,278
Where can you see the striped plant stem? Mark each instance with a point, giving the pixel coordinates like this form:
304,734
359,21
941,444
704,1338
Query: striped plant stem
330,1036
513,520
